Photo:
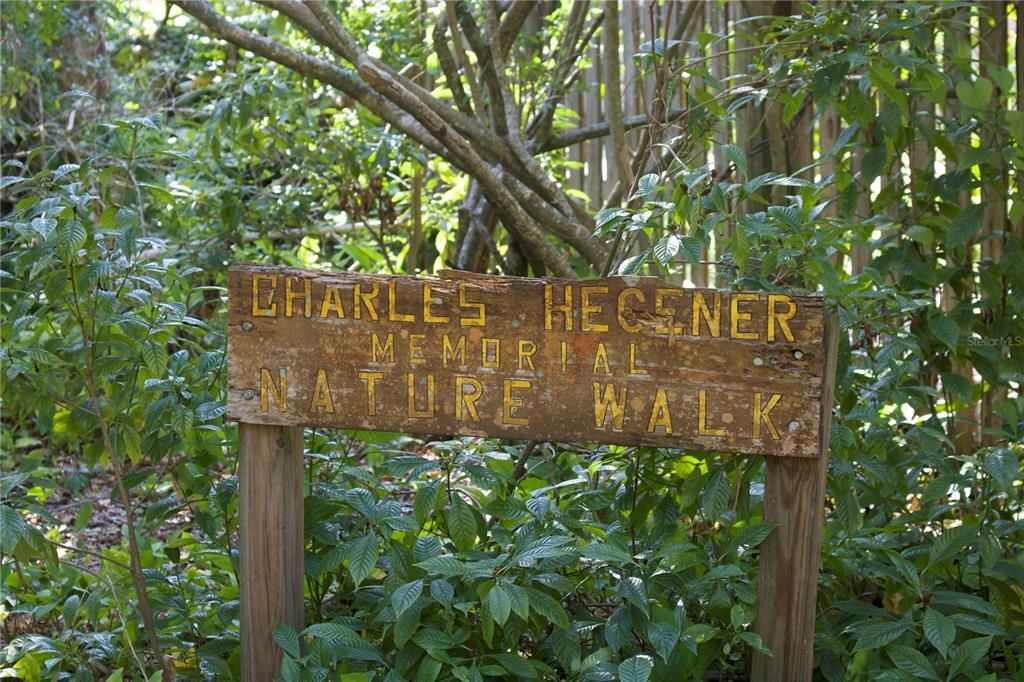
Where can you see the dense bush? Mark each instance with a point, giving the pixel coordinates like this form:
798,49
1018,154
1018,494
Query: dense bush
474,559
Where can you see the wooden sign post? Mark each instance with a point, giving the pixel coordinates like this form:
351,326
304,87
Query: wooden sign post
624,360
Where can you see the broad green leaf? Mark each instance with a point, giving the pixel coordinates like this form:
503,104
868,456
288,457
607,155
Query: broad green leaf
287,639
976,94
965,225
912,661
12,528
600,551
499,603
1004,467
666,248
442,592
636,669
406,595
647,185
716,496
362,557
877,634
443,565
944,329
462,524
939,630
950,544
331,632
433,639
967,655
738,158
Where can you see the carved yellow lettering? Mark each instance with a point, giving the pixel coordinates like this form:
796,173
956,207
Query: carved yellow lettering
587,309
370,379
565,307
481,310
606,400
321,395
512,403
661,311
627,326
490,353
428,301
601,360
362,300
410,382
659,414
268,388
257,309
762,414
713,317
415,349
781,318
735,316
565,352
633,369
456,353
465,402
332,301
306,294
702,417
393,313
526,350
381,353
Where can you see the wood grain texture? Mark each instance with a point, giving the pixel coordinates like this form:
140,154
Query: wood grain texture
271,577
794,493
629,371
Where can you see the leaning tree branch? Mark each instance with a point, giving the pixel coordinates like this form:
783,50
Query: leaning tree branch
596,130
426,127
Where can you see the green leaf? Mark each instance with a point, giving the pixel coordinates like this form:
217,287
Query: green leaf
715,498
944,329
600,551
912,661
939,630
738,158
755,642
442,592
425,502
1003,466
632,265
443,565
951,544
877,634
406,595
291,671
975,94
750,536
666,248
287,639
636,669
547,607
362,557
499,603
967,655
663,637
462,524
647,185
872,164
12,528
964,225
432,639
331,632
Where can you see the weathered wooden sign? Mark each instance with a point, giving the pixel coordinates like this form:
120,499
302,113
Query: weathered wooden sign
627,360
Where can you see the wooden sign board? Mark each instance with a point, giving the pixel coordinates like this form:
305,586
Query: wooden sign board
625,360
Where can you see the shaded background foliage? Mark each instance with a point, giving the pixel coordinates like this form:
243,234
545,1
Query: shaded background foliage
867,151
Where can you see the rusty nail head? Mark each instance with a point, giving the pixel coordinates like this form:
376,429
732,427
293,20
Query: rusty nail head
798,354
794,426
247,326
248,394
280,442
